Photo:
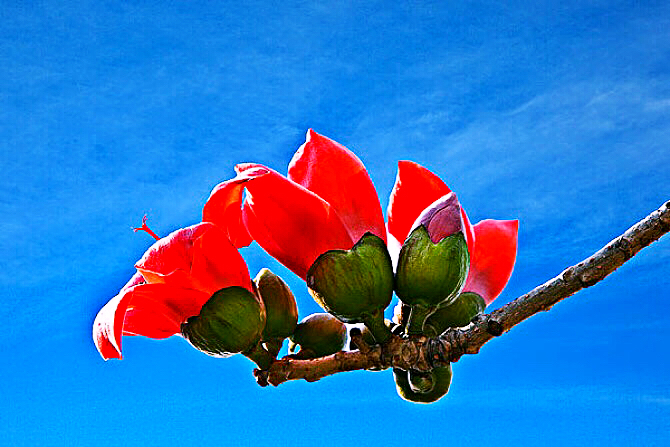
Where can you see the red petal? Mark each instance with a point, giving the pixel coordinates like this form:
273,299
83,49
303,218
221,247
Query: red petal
158,310
152,310
494,257
217,263
337,175
108,326
135,280
224,208
168,260
469,233
291,223
415,189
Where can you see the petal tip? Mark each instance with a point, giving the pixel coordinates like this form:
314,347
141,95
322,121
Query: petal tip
311,133
247,171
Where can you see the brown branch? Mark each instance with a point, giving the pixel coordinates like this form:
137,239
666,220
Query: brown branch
423,354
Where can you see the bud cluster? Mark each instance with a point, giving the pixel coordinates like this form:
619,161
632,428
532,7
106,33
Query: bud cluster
356,286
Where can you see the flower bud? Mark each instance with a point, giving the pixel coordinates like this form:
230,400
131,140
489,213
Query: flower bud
457,314
434,260
355,285
318,335
280,306
231,321
409,384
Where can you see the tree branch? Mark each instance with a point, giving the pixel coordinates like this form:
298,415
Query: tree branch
424,354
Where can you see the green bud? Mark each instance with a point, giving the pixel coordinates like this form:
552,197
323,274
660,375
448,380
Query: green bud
318,335
280,306
355,285
457,314
430,274
231,321
409,384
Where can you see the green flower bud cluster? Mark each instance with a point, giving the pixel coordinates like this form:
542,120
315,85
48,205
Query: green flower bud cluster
353,286
356,286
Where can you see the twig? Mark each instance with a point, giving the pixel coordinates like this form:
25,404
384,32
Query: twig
423,354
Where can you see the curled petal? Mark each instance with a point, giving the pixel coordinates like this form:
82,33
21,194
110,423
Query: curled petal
198,257
337,175
494,257
168,260
108,326
152,310
224,208
291,223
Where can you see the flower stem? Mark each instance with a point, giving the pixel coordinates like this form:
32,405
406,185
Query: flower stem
274,345
259,356
375,323
417,316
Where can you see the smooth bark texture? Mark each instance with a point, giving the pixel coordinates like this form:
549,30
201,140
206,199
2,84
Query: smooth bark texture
423,354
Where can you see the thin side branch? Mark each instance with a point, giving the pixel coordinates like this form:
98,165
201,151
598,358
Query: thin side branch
423,354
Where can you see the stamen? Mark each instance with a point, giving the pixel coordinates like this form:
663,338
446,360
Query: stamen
146,228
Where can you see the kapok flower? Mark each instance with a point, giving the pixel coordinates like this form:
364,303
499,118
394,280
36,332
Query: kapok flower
326,202
176,276
492,244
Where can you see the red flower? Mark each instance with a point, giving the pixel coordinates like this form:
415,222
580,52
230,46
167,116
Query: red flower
326,202
492,243
176,277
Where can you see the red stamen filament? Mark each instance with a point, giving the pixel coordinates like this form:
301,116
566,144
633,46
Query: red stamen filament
146,228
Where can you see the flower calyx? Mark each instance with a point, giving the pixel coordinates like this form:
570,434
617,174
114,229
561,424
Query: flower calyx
230,322
355,285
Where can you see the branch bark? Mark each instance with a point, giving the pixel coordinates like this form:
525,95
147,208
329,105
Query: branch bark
424,354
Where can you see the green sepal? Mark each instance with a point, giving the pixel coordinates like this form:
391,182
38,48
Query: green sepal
355,284
231,321
457,314
318,335
440,378
280,306
430,274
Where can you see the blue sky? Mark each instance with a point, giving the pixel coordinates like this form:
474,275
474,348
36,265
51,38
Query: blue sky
555,113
